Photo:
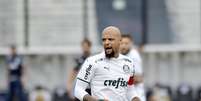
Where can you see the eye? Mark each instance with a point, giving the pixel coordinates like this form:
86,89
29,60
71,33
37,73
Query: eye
103,39
110,39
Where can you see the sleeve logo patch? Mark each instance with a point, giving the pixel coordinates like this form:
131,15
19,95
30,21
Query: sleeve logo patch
87,72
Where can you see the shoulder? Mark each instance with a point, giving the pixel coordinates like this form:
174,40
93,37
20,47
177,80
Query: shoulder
134,54
95,58
79,60
126,58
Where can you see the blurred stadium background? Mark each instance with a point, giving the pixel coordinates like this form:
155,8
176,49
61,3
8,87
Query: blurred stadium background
48,34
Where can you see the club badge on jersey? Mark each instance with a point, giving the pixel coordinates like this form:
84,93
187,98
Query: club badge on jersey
126,69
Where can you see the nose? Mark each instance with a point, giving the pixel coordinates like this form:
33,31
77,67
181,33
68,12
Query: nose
106,41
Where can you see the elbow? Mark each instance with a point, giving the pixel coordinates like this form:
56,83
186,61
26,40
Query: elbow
79,92
75,92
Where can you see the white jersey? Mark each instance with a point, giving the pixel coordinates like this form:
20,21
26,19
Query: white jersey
135,56
108,78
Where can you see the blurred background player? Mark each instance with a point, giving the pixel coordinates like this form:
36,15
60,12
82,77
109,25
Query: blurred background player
127,49
40,94
15,70
86,52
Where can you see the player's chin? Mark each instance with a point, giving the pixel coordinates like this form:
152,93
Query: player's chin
109,55
124,52
108,51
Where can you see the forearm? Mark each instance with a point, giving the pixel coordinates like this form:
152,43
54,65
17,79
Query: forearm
24,75
71,78
138,79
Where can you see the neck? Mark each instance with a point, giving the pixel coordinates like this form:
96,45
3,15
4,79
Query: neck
116,55
86,54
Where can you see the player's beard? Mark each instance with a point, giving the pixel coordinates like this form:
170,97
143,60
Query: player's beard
110,55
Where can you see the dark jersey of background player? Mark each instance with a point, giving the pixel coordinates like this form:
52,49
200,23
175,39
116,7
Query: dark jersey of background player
15,73
86,52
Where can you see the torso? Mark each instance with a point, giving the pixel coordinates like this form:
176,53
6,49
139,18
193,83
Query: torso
111,77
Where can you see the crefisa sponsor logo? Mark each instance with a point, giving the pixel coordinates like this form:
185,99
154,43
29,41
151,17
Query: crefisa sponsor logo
120,82
87,72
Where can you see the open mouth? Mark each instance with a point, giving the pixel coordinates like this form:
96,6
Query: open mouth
108,49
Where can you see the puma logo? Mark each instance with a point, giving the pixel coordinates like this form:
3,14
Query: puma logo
107,68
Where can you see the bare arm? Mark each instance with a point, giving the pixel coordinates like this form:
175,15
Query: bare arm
71,78
24,75
138,79
7,73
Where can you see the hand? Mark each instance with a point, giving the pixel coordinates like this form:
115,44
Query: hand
70,94
91,98
138,79
136,99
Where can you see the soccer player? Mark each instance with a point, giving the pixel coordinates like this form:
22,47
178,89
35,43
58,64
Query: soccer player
109,74
15,70
127,49
86,52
